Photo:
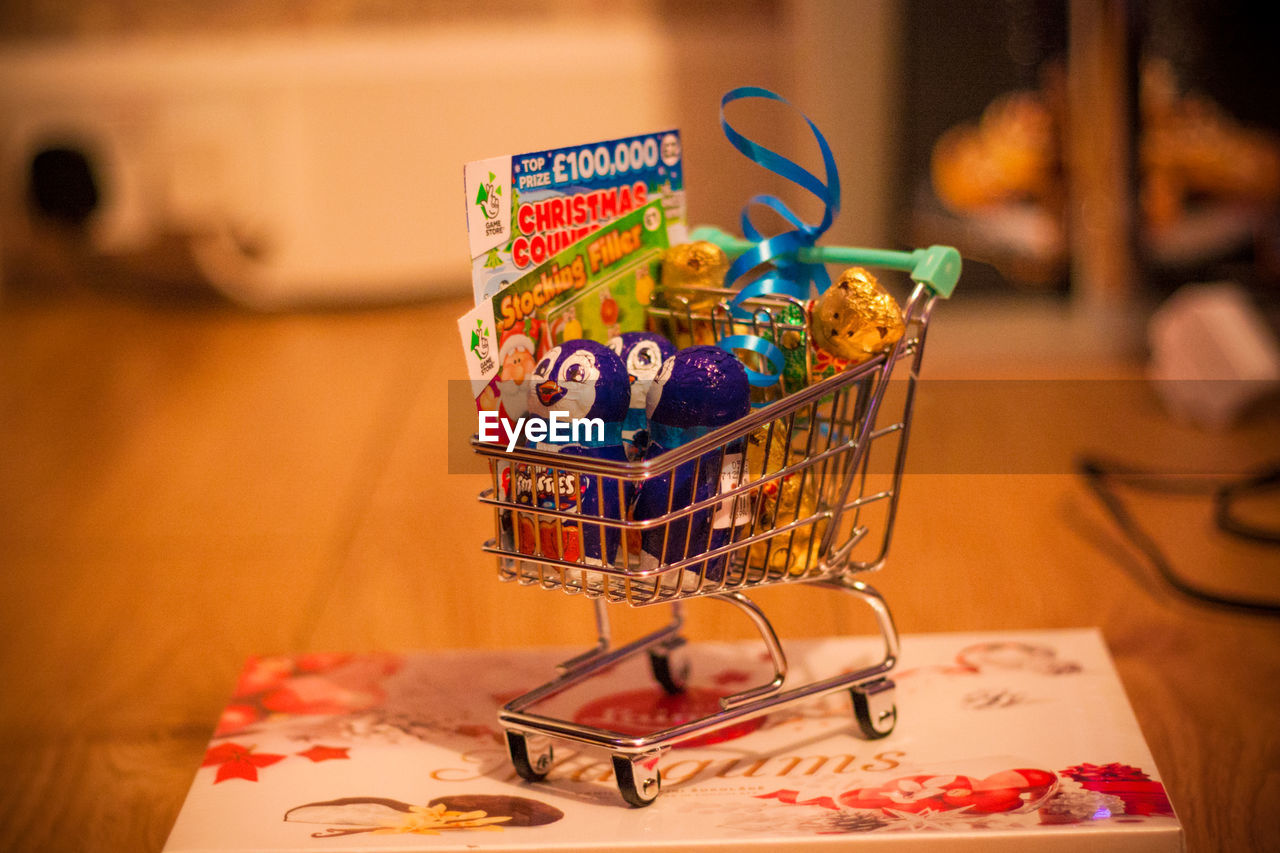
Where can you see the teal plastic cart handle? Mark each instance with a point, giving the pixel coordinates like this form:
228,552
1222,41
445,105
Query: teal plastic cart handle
937,267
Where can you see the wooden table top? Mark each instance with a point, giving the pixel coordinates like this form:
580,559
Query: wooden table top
184,485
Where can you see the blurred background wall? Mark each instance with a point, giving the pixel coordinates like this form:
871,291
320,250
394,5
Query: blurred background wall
304,154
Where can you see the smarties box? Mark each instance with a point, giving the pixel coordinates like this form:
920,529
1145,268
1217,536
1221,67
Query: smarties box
524,209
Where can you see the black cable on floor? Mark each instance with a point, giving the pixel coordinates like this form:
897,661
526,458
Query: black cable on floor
1099,475
1263,481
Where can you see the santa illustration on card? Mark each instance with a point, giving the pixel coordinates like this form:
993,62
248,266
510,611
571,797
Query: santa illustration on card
517,355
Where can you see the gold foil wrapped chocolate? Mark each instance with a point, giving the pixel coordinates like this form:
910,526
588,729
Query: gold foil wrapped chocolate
782,501
855,318
698,264
690,272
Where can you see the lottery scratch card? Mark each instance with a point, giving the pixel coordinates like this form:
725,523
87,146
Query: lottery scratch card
595,288
524,209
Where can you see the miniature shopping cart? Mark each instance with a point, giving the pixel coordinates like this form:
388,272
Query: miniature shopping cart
804,503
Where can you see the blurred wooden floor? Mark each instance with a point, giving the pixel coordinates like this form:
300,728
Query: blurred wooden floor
183,485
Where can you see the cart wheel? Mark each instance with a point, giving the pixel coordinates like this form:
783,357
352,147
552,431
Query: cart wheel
639,784
531,768
874,709
670,665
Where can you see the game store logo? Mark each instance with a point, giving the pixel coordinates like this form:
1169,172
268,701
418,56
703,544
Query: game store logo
480,347
489,197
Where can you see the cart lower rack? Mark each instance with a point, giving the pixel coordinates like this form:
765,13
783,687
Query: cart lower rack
802,490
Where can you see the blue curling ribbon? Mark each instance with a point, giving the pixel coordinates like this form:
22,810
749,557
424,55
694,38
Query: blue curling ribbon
772,353
788,277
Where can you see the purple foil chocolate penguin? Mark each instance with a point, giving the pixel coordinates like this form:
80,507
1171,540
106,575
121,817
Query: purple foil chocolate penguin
697,390
643,354
581,392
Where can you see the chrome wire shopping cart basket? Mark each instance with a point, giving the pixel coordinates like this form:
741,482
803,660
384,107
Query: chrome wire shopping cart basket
799,501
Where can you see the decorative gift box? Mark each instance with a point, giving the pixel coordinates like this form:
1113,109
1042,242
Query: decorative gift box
1019,740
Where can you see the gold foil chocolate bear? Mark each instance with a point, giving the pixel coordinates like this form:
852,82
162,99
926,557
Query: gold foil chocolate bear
688,268
698,264
855,318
